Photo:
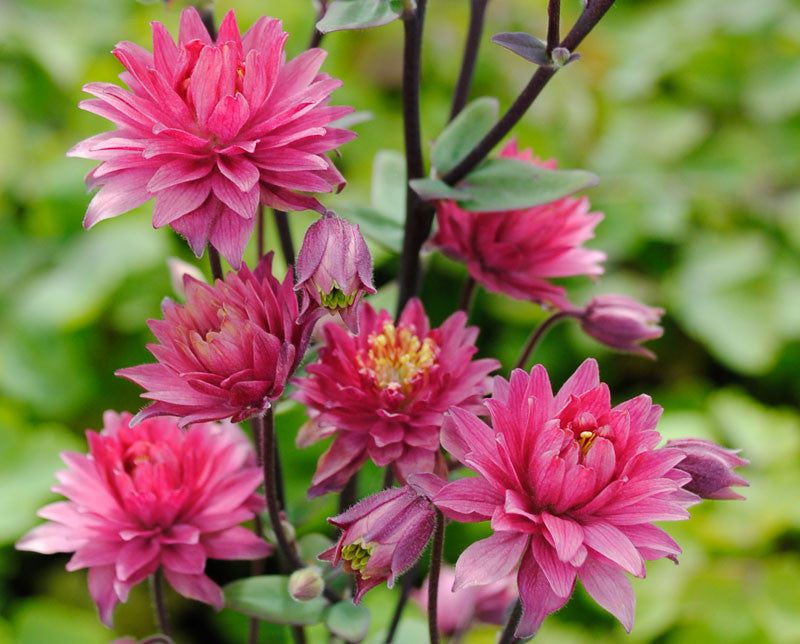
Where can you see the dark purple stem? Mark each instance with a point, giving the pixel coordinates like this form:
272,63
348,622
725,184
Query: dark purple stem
216,263
260,233
157,586
538,334
317,35
285,236
349,494
471,46
553,25
433,577
418,220
405,590
507,636
207,16
467,294
388,478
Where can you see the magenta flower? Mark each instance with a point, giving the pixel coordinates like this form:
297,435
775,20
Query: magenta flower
711,468
458,610
572,487
384,534
517,251
153,496
227,352
334,269
622,323
383,393
210,129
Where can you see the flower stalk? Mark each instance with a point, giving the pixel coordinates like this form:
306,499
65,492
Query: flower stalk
160,605
507,636
537,335
471,46
284,235
433,578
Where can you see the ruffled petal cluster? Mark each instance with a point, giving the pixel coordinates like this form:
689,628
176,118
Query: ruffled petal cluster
153,496
227,352
212,128
383,535
571,486
383,392
515,252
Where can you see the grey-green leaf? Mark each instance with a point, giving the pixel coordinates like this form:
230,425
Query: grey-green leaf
464,132
359,14
267,597
438,189
525,45
509,184
348,621
311,545
376,225
388,189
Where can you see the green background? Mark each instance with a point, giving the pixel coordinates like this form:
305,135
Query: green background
688,110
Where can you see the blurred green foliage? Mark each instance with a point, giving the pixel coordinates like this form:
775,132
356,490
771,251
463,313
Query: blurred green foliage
688,110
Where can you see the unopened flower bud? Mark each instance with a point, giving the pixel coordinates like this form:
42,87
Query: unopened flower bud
621,322
178,270
334,269
711,467
560,56
306,584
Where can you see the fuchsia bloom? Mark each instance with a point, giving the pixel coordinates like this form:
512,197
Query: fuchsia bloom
153,496
383,535
572,487
383,393
515,252
711,468
622,323
227,352
210,129
458,610
334,269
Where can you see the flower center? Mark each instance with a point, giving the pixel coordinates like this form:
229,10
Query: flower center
358,554
397,358
140,453
336,299
585,429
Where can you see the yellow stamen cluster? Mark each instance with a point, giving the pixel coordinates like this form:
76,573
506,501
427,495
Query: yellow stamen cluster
586,440
336,299
397,357
358,554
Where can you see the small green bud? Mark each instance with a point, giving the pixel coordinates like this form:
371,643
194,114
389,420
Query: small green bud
306,584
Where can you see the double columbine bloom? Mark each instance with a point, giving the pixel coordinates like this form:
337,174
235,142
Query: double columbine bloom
383,392
153,496
211,129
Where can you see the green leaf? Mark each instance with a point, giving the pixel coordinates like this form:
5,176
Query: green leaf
267,597
509,184
311,545
523,44
359,14
388,189
437,189
376,225
348,621
464,132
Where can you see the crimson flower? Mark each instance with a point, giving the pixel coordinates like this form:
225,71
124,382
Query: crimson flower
150,497
621,322
516,251
211,129
383,392
227,352
572,487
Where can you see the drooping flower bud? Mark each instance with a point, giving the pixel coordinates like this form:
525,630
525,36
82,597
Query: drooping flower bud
711,468
622,323
383,535
334,268
306,584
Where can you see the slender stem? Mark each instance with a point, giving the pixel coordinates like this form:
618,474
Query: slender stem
418,220
216,263
537,335
299,634
157,587
285,235
317,35
507,636
349,493
257,566
591,15
207,16
260,233
433,577
467,294
405,590
553,24
471,45
388,478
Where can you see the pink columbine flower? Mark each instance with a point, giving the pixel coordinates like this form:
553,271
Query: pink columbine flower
458,610
572,487
517,251
210,129
383,392
622,323
227,352
153,496
711,468
383,535
334,269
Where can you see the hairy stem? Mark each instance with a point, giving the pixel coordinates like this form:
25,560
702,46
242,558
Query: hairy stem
537,335
418,223
349,494
285,235
471,45
467,294
216,263
157,587
433,577
406,584
507,636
